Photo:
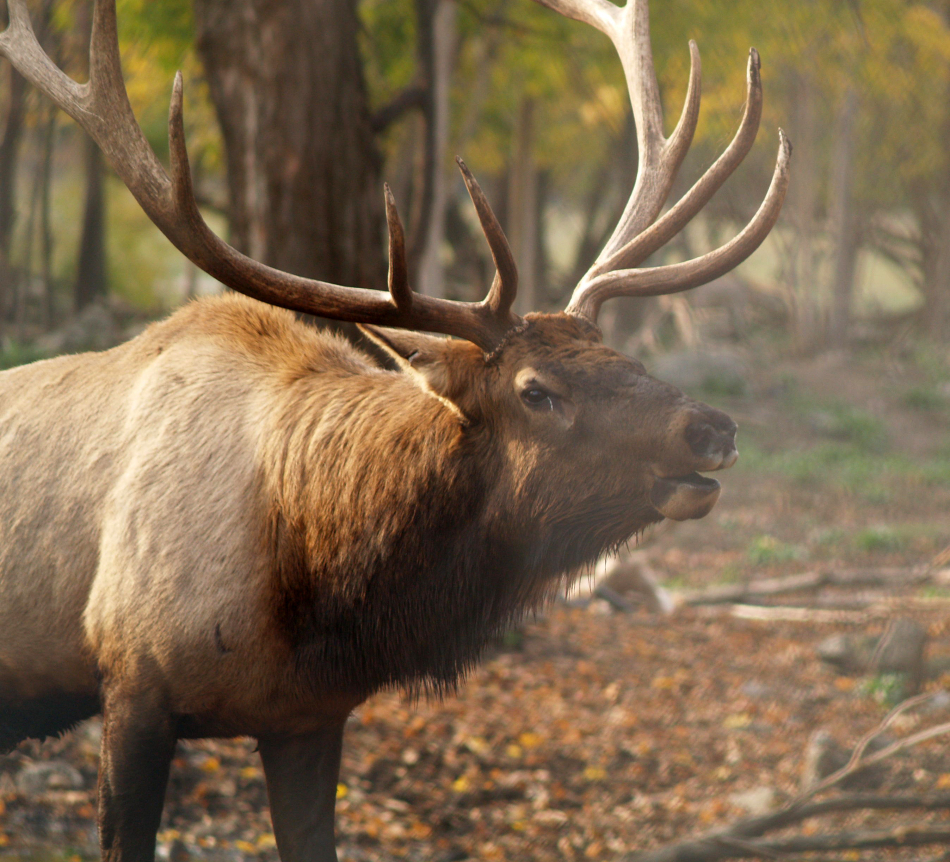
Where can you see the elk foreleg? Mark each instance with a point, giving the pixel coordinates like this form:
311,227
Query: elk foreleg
138,741
302,774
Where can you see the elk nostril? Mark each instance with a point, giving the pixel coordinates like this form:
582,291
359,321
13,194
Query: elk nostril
708,440
699,436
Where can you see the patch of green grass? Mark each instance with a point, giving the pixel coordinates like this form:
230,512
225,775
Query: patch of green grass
676,582
886,689
874,478
879,538
850,425
829,537
14,353
932,359
730,573
925,398
765,550
723,385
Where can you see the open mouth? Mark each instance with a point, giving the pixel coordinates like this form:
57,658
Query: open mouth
683,498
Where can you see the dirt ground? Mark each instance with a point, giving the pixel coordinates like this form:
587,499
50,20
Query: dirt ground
591,733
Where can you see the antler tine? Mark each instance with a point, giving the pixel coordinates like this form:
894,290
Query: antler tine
598,13
18,43
682,276
504,286
678,216
399,287
659,158
639,233
102,108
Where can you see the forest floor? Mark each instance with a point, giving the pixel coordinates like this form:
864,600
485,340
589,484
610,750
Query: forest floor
591,733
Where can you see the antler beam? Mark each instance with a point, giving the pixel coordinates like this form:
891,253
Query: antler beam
102,108
639,233
677,277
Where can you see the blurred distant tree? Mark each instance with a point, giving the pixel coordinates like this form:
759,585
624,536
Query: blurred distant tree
10,136
302,165
91,272
843,217
317,101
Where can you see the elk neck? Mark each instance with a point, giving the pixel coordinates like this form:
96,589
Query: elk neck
400,538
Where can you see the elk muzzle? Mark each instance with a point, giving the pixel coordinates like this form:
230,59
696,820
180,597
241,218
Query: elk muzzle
710,436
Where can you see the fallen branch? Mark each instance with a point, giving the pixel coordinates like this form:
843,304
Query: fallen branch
807,581
941,559
878,756
781,613
614,599
729,593
739,840
900,837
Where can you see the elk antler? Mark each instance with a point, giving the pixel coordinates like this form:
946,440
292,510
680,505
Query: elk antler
639,233
102,108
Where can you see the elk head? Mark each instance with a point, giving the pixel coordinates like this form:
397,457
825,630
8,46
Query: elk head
564,406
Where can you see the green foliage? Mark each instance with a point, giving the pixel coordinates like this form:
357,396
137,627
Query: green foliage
926,398
879,539
388,38
849,424
829,537
849,469
767,550
724,385
894,53
14,353
887,689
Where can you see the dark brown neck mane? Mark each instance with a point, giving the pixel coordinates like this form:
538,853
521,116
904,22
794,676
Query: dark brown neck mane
417,549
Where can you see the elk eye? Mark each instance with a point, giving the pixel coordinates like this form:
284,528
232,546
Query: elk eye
534,396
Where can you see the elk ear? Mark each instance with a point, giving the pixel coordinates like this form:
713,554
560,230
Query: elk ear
424,357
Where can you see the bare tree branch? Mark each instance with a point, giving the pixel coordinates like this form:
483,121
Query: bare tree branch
737,841
409,99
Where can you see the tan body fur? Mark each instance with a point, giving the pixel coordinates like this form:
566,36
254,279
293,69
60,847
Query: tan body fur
258,525
134,501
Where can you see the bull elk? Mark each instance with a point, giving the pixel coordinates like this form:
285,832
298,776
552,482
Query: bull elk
237,525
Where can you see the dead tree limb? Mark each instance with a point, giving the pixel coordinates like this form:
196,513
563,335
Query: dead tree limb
806,581
739,841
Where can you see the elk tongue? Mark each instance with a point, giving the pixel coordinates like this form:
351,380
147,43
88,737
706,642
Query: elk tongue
684,497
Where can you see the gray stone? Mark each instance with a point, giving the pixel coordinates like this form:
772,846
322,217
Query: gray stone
899,650
40,778
824,756
756,802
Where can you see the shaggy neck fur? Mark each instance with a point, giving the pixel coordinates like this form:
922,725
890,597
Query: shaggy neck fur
402,540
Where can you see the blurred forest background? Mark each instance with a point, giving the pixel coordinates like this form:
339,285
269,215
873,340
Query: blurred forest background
318,105
597,729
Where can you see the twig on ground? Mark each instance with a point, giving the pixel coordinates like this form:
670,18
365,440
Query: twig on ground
783,613
886,722
738,841
806,581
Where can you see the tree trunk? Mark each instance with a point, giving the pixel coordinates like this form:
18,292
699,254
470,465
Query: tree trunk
844,224
9,151
46,206
937,276
91,274
303,170
435,196
802,203
523,208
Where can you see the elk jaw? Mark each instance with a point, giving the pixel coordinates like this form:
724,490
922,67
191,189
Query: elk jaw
684,498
